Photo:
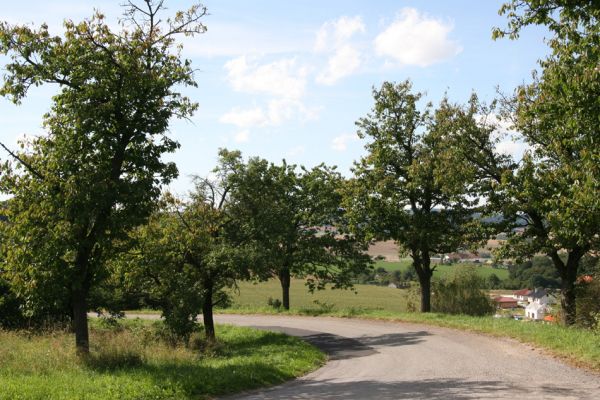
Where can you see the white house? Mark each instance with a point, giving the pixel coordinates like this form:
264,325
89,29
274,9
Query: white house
536,311
521,295
538,295
538,304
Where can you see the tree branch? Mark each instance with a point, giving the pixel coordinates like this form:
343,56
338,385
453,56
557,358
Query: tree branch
23,162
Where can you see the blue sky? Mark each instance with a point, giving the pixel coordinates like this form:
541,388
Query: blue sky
288,79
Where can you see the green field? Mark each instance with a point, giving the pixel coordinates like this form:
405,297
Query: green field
366,297
131,363
255,296
443,271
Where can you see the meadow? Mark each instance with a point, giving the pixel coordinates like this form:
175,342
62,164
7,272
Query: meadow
130,361
443,271
254,296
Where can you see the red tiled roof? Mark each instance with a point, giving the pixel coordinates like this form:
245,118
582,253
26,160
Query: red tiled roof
501,299
522,292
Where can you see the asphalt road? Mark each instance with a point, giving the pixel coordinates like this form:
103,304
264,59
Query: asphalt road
386,360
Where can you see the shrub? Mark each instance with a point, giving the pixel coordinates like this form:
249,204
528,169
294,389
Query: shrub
462,294
275,303
588,303
11,315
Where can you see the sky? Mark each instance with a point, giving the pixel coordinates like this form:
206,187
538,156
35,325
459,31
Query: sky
289,79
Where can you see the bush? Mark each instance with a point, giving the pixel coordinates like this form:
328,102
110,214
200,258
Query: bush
588,303
275,303
462,294
11,315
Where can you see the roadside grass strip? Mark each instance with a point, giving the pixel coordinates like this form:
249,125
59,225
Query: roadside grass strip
131,363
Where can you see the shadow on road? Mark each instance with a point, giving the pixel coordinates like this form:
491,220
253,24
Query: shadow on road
343,348
431,389
336,347
394,339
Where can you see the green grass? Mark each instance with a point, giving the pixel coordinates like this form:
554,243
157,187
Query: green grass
254,296
443,271
131,363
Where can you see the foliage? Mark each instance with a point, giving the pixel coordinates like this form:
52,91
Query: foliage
590,264
462,294
76,191
189,252
11,313
411,188
296,219
275,303
493,282
551,194
588,303
537,272
131,362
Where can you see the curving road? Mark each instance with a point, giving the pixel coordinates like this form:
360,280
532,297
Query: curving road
386,360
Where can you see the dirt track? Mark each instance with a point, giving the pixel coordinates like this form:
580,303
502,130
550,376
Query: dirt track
385,360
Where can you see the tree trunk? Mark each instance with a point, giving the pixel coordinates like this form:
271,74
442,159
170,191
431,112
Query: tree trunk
80,323
207,314
284,278
421,263
569,297
425,294
568,303
568,276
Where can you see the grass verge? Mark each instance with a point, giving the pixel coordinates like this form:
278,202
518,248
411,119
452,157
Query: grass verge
129,362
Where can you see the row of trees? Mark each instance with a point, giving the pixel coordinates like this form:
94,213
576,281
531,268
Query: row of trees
86,216
254,220
426,170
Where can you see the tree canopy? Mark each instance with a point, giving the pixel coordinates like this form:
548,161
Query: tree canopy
551,195
297,219
411,187
99,169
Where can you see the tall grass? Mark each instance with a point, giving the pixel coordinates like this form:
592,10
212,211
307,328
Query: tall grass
132,362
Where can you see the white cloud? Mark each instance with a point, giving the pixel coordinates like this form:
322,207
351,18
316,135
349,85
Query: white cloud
512,147
281,110
416,39
342,63
276,112
283,81
335,33
242,136
508,141
282,78
334,37
245,118
340,143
